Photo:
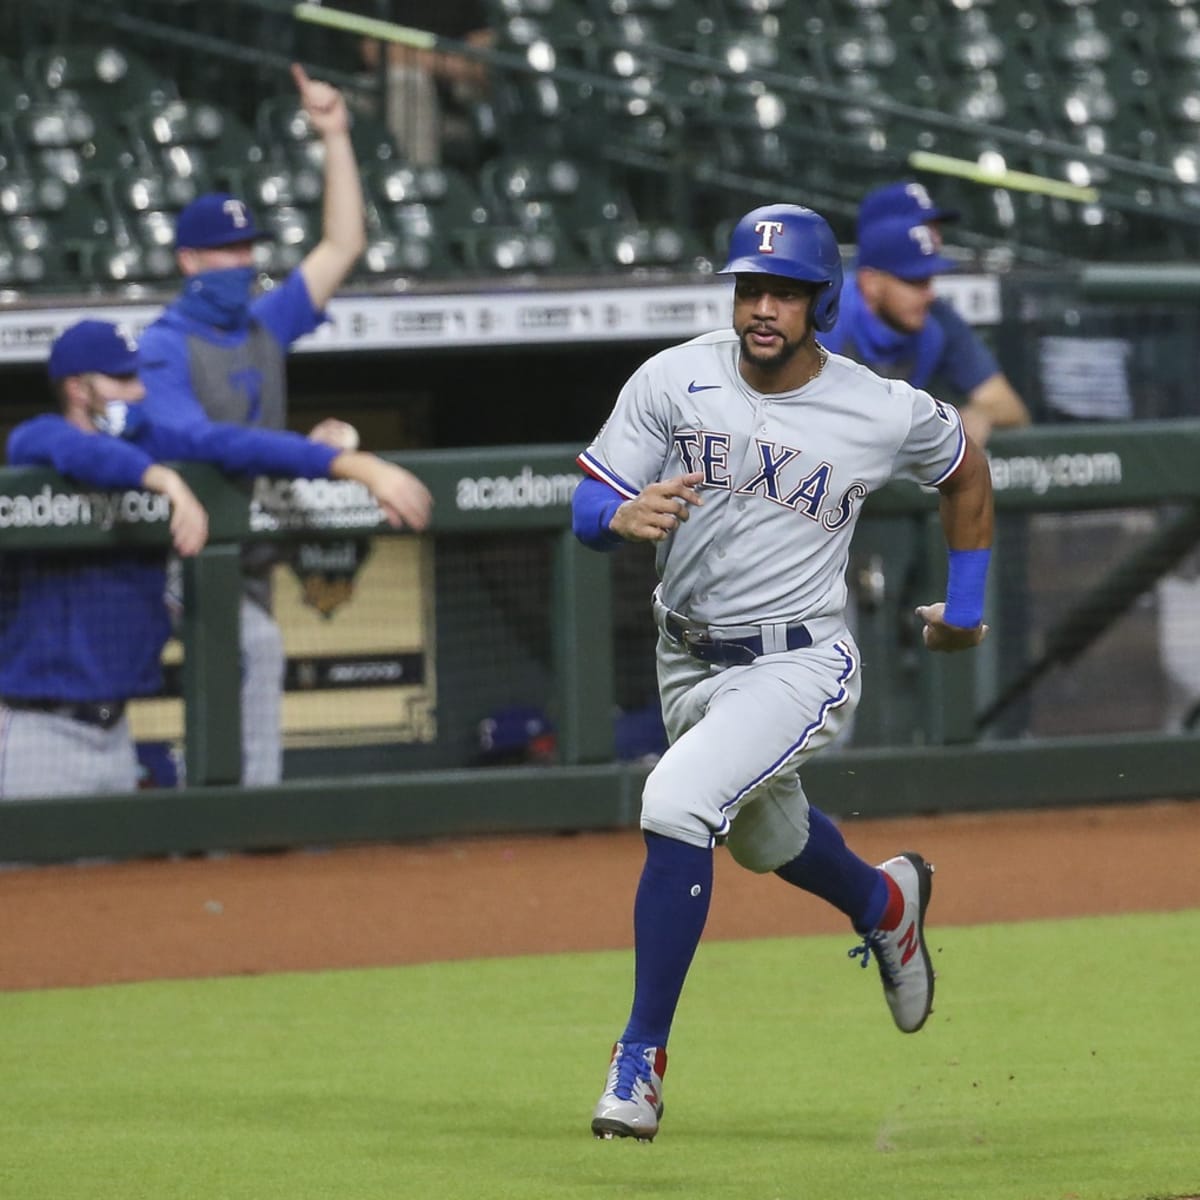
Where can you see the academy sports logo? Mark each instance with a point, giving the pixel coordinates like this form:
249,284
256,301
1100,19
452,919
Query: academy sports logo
695,387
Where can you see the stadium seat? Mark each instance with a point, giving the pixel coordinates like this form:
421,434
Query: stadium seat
409,243
295,231
104,78
14,88
425,203
499,250
532,190
562,24
52,135
638,248
36,261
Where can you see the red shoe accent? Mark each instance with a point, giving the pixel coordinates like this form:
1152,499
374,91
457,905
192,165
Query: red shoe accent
893,914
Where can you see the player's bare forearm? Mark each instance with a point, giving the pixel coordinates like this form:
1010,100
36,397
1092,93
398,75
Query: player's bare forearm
966,503
996,400
967,522
405,500
343,230
658,509
189,520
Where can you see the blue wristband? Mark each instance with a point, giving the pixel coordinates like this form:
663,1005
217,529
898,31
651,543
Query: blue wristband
592,508
965,583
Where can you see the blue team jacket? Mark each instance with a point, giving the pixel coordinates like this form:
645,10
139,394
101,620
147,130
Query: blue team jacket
91,627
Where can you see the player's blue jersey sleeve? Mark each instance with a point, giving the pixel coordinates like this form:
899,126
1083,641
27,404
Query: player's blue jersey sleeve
166,374
240,451
966,362
631,449
287,311
935,443
92,458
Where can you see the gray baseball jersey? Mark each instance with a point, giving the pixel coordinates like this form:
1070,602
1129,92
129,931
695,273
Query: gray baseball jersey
785,475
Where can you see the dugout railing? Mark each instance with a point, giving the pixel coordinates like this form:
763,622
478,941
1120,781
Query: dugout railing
951,756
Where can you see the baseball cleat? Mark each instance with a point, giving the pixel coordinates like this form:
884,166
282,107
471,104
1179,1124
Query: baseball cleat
901,953
632,1100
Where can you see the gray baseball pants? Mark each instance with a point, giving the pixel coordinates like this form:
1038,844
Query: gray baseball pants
738,738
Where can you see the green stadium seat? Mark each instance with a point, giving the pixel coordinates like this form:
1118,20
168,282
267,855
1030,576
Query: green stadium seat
498,250
638,248
37,263
563,24
295,229
411,199
14,88
54,135
409,244
105,78
531,190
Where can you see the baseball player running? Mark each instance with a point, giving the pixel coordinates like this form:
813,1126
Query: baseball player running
746,456
81,633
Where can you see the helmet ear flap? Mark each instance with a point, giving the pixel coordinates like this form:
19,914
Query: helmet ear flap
825,306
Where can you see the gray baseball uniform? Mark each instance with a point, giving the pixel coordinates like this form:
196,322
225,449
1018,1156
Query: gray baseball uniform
785,477
47,754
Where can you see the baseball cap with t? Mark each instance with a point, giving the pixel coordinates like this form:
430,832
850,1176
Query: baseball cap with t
216,219
901,248
904,199
93,346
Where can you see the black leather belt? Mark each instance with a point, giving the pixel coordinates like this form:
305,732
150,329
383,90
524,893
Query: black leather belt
105,713
728,652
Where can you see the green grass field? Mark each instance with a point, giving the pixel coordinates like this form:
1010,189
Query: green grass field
1062,1063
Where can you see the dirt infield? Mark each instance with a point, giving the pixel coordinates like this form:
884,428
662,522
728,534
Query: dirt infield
247,914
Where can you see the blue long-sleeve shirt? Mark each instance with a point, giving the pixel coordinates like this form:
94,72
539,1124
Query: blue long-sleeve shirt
92,626
246,388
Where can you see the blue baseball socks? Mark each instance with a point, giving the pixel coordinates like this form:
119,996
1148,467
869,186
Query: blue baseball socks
828,868
668,918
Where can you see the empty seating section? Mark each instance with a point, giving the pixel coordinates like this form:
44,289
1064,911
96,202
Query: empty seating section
621,135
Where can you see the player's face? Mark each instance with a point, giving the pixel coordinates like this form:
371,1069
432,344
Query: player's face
105,389
216,258
901,303
771,318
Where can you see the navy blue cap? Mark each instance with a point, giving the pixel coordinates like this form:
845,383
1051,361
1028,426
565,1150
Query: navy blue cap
215,219
93,346
904,199
903,248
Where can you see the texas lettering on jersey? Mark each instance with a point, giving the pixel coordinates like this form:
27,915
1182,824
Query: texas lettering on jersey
707,452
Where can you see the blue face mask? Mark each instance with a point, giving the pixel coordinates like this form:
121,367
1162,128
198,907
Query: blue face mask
220,298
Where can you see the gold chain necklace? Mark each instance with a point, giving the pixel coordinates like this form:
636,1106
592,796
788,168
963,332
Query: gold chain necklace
823,359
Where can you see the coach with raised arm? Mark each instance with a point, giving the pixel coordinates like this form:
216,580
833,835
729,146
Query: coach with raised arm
218,354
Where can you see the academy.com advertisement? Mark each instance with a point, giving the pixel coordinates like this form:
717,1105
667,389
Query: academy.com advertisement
51,509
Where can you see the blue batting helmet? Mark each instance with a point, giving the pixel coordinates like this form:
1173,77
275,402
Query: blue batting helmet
795,242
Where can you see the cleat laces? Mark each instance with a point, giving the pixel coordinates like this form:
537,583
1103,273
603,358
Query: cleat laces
872,943
631,1065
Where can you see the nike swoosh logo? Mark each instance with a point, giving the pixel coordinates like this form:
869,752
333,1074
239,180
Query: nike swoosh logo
693,387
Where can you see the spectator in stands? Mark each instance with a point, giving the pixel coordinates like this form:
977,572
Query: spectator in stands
218,353
429,92
82,633
892,321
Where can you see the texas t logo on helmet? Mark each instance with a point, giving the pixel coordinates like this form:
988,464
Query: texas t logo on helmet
796,243
768,229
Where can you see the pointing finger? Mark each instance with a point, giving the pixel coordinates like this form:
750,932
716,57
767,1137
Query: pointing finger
300,76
